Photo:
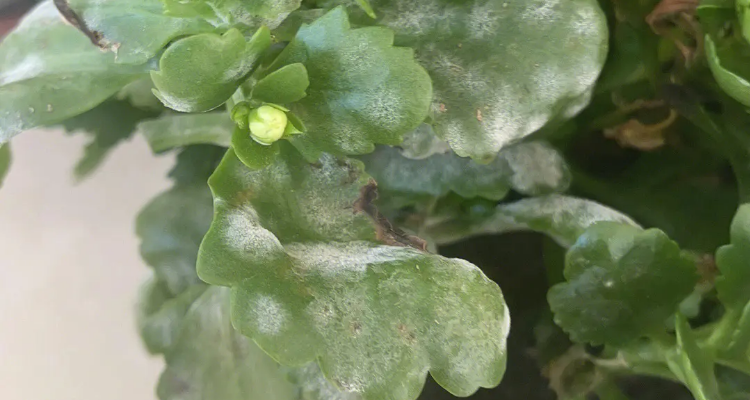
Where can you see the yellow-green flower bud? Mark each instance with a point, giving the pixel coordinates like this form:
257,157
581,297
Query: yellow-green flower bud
267,124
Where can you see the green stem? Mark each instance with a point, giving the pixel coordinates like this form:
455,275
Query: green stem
740,340
723,331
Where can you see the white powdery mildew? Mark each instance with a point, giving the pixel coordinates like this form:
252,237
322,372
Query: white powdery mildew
483,20
505,121
270,315
30,67
383,108
337,258
586,22
242,234
541,11
548,83
536,167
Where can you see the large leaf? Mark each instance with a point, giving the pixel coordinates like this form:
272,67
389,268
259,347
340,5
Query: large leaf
530,168
362,90
49,71
501,69
310,281
182,130
622,283
231,12
108,124
4,161
200,72
692,364
134,30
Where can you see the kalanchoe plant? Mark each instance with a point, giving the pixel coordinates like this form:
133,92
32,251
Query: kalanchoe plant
334,157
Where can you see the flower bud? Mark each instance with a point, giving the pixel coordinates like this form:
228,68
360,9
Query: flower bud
267,124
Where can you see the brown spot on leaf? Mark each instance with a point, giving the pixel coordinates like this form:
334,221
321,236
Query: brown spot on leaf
71,17
443,108
479,115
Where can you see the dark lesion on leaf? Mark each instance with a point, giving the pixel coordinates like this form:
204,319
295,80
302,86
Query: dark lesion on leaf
386,232
72,18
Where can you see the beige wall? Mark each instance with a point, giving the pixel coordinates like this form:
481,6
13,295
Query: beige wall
69,271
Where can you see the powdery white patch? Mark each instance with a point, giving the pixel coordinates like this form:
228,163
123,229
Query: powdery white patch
505,121
242,234
541,11
548,83
483,20
31,66
270,315
536,168
383,108
336,258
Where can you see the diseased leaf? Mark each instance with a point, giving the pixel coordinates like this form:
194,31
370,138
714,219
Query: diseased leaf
363,91
226,13
311,282
49,71
210,360
422,143
285,85
108,124
622,283
5,159
563,218
501,69
692,364
729,65
199,73
531,168
172,130
134,30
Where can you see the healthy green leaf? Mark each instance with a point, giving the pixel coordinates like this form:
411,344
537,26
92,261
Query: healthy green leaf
108,124
210,360
692,364
283,86
5,159
743,13
531,168
226,13
363,91
622,283
311,282
730,67
733,260
563,218
253,154
171,130
201,72
501,68
134,30
49,72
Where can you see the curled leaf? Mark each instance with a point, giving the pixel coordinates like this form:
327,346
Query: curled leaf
171,131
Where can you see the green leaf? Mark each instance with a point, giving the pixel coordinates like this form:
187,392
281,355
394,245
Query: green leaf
733,384
140,94
283,86
362,90
422,143
5,159
692,364
729,65
743,13
253,154
201,72
622,284
134,30
501,69
171,130
563,218
733,260
530,168
210,360
227,13
311,282
50,72
109,124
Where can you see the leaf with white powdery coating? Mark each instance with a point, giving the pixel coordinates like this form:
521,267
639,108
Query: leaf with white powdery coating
134,30
310,282
622,283
49,71
201,72
363,91
171,131
501,69
225,13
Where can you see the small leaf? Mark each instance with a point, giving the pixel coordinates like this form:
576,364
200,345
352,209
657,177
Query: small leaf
134,30
226,13
49,72
501,69
622,284
253,154
285,85
311,282
362,90
108,124
733,260
5,159
201,72
729,66
171,131
210,360
530,168
692,364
